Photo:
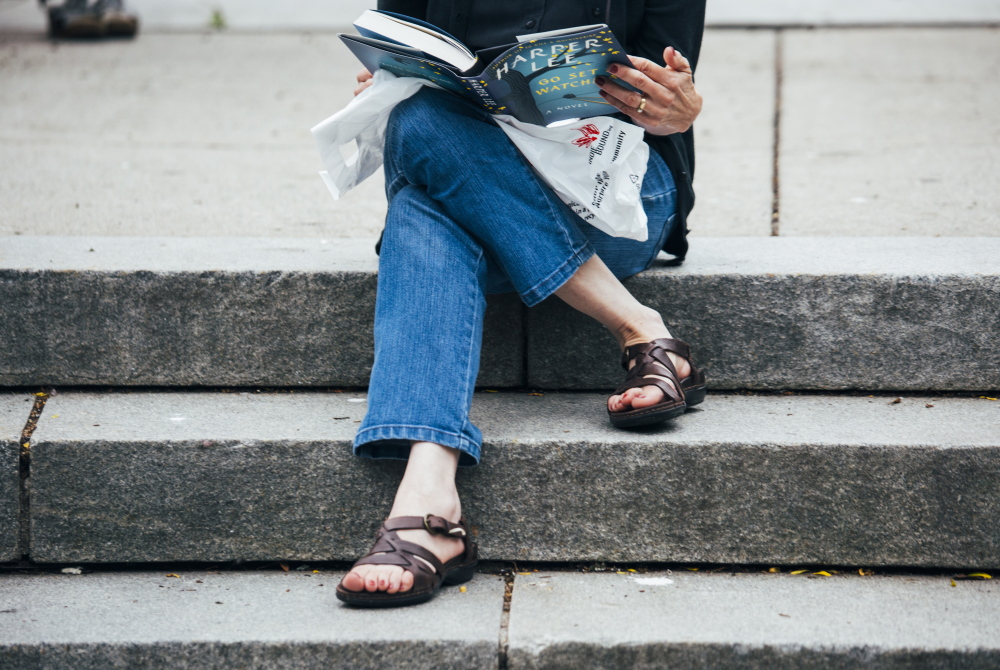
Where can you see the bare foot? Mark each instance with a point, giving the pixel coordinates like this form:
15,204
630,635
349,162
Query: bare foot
649,328
425,489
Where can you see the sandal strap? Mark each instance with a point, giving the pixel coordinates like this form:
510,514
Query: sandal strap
390,549
653,349
435,525
650,374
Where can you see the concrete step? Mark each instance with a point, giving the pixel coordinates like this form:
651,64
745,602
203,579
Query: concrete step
742,479
685,620
14,411
236,620
199,619
763,313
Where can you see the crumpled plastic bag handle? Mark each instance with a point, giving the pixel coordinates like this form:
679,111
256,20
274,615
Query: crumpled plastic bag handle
595,166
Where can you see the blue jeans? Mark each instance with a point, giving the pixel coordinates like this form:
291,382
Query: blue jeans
467,217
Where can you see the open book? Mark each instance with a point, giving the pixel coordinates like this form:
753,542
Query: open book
542,79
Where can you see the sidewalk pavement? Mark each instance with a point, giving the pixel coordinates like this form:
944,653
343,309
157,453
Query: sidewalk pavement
883,131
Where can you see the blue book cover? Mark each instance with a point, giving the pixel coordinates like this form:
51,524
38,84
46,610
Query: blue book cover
541,80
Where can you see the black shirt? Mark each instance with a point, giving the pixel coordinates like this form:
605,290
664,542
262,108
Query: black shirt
645,28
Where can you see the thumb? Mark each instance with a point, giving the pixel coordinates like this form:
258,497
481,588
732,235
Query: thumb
675,61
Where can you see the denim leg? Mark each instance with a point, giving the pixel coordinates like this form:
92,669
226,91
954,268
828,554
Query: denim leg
481,181
465,208
624,257
428,333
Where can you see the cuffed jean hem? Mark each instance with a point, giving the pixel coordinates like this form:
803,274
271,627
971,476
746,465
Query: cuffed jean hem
394,442
556,279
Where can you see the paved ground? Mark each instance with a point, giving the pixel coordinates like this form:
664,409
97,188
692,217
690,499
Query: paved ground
883,131
266,15
270,618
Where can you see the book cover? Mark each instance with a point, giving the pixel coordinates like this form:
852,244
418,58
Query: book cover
541,80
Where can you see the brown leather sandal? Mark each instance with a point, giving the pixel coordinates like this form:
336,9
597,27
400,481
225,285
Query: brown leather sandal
680,393
389,549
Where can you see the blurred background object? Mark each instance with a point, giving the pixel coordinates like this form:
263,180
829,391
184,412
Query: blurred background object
90,19
821,118
323,14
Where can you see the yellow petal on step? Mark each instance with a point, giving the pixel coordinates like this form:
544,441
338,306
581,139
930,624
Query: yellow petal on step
823,573
619,572
631,569
981,575
174,575
524,573
798,572
774,569
693,569
462,589
953,583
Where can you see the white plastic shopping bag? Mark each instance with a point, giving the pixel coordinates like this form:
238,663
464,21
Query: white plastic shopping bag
596,166
363,121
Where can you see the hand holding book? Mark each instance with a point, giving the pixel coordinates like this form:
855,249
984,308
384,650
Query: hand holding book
542,79
662,100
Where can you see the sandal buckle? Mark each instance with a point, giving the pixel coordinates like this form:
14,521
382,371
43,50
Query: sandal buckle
427,525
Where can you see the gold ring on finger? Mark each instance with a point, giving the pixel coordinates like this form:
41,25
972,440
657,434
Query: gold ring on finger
642,104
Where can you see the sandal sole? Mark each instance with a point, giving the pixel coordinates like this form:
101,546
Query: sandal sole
694,395
647,416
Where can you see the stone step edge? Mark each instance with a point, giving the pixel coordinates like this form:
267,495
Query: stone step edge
762,313
530,619
154,477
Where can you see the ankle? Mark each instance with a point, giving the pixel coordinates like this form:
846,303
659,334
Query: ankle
645,325
419,495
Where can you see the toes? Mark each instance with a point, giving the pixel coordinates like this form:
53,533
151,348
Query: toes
395,580
620,403
354,581
385,574
628,398
647,397
391,577
371,580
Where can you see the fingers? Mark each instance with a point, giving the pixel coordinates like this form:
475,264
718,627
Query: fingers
364,79
648,74
644,76
622,107
628,102
656,96
646,67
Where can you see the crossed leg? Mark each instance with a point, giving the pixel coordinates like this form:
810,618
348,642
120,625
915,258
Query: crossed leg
460,192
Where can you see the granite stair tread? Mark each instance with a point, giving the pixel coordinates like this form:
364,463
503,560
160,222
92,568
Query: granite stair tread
212,476
557,619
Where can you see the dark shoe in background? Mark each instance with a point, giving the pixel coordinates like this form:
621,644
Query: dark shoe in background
91,19
118,22
76,19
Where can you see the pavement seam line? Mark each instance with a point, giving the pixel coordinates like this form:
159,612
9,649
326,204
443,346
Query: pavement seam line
503,642
779,43
24,473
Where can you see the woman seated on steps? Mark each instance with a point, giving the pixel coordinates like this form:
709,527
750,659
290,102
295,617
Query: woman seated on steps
468,217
